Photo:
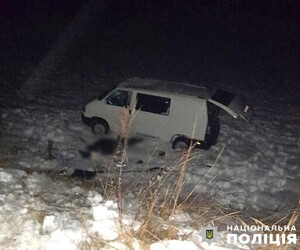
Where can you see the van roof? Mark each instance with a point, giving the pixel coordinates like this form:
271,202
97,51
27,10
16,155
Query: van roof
165,86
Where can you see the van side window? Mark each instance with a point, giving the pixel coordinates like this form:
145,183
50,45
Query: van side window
154,104
119,98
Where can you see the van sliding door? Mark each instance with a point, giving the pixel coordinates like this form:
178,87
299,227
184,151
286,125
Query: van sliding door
152,116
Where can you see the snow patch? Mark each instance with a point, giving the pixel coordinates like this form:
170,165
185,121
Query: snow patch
49,224
64,239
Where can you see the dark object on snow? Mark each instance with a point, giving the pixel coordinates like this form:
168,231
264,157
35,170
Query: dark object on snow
84,174
134,140
106,146
155,169
161,153
50,150
84,154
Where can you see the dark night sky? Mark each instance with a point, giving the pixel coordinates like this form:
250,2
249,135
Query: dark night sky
31,25
191,40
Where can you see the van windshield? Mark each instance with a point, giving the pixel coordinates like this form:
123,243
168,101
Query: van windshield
104,93
222,96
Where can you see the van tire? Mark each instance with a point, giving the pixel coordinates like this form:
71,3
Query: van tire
181,142
99,126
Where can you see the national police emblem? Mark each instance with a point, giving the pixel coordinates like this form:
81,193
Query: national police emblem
209,234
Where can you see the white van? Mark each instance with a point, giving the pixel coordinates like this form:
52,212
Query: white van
171,112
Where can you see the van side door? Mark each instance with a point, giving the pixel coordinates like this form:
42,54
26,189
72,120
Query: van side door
152,116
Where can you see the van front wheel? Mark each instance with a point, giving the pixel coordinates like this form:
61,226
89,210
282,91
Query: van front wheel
99,127
181,142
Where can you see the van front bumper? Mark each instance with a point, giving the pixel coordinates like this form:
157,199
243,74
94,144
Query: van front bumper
86,120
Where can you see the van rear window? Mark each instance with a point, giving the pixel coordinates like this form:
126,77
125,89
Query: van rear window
223,97
153,104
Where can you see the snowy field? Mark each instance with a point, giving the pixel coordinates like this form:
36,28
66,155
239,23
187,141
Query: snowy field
254,168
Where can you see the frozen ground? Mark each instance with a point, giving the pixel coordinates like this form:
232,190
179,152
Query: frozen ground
44,211
255,166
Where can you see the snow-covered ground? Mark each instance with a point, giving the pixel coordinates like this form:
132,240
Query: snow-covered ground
255,168
44,211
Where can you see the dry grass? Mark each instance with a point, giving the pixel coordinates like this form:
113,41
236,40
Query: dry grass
93,242
124,126
161,199
114,184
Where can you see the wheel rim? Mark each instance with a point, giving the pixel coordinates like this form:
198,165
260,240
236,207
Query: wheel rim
181,145
99,129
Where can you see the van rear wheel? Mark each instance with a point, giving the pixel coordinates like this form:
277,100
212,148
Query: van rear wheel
100,127
181,142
